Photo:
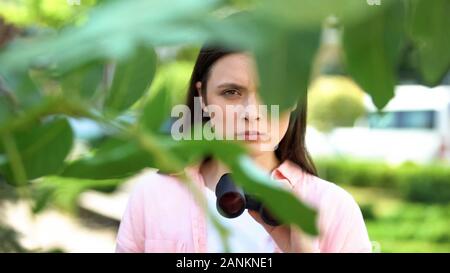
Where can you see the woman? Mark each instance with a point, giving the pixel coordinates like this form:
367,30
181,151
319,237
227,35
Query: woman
163,216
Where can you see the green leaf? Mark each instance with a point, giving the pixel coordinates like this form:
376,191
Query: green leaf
372,48
63,192
190,151
6,111
156,110
307,14
40,150
106,34
22,87
430,33
115,158
282,203
284,65
84,81
132,78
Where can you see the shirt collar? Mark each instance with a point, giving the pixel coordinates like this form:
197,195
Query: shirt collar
286,170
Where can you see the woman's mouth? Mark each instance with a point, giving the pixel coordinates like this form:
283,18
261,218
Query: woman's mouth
251,136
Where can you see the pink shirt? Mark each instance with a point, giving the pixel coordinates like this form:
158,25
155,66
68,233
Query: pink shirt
163,216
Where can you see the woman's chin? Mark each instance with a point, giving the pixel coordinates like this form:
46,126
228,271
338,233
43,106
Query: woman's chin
257,147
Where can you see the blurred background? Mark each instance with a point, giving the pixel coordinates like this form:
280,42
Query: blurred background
395,161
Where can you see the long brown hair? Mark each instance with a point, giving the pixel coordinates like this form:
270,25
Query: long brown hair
292,145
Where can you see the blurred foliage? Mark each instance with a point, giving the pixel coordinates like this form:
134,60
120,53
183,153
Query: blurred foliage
397,225
175,77
63,192
334,101
29,148
373,47
44,13
428,183
413,228
9,239
92,63
429,32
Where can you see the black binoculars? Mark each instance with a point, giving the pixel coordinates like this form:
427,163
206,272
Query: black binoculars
232,201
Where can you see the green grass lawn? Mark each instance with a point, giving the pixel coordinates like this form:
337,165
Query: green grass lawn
400,226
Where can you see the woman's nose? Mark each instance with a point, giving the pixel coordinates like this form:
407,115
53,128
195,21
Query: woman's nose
251,111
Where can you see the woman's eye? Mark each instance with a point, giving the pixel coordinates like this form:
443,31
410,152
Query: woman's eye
231,92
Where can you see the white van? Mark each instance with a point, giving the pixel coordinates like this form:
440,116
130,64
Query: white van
414,125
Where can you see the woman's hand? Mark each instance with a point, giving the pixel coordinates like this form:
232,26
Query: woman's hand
288,238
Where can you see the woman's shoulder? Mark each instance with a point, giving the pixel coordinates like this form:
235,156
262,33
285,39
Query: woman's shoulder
325,194
152,182
158,207
340,217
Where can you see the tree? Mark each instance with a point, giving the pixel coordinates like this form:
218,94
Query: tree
100,68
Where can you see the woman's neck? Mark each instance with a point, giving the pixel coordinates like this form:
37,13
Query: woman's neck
267,161
213,169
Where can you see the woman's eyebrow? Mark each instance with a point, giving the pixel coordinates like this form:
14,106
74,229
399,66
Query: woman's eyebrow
232,85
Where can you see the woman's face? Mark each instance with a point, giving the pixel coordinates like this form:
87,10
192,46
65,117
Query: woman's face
235,107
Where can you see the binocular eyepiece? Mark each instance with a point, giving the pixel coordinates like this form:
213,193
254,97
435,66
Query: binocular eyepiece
232,201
